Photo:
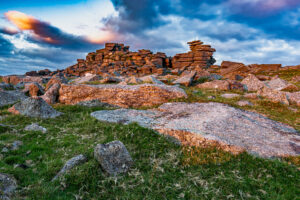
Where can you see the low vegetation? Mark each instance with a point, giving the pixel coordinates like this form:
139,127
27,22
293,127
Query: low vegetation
162,169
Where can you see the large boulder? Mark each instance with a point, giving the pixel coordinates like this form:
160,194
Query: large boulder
57,78
252,83
34,107
33,89
294,97
8,186
113,157
273,95
186,79
216,84
120,95
11,97
199,124
232,70
279,84
51,95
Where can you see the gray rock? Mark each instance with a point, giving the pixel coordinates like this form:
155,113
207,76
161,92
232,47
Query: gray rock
5,150
151,79
113,157
8,185
36,107
215,77
215,121
244,103
230,96
35,127
6,86
70,164
96,103
11,97
16,145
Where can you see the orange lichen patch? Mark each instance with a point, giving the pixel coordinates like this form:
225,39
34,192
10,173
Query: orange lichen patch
190,139
13,111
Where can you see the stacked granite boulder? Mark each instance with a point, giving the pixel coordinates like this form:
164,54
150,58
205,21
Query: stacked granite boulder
200,56
116,59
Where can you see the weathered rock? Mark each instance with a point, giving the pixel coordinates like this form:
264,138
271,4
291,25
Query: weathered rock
35,127
8,186
151,79
186,80
263,77
87,78
6,86
296,79
230,96
244,103
34,107
216,84
16,145
96,103
217,124
273,95
294,98
51,95
252,83
251,96
256,68
232,69
110,79
58,78
11,97
113,158
33,89
70,164
133,80
279,84
121,95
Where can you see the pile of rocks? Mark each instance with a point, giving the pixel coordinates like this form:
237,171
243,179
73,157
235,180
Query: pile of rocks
116,59
199,56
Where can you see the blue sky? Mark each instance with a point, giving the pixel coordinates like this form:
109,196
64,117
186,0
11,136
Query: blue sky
54,33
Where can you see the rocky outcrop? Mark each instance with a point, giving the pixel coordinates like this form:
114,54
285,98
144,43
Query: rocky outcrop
186,80
203,124
113,158
58,78
233,70
34,107
222,85
120,95
11,97
15,79
200,56
279,84
87,78
117,59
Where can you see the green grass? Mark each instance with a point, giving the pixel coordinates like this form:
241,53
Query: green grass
1,79
162,170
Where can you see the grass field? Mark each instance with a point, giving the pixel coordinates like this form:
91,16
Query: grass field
162,170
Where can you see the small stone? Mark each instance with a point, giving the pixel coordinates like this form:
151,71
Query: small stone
70,164
230,96
5,150
8,185
35,127
244,103
16,145
113,157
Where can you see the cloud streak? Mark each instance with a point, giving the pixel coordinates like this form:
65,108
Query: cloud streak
44,33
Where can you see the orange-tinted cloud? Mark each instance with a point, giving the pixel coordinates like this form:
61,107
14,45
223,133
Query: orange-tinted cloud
46,33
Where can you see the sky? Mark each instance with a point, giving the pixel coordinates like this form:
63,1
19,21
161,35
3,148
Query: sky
39,34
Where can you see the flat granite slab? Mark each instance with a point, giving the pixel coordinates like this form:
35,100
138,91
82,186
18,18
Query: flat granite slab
233,129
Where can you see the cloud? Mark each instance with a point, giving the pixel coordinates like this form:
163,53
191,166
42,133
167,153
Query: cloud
6,47
8,31
45,33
